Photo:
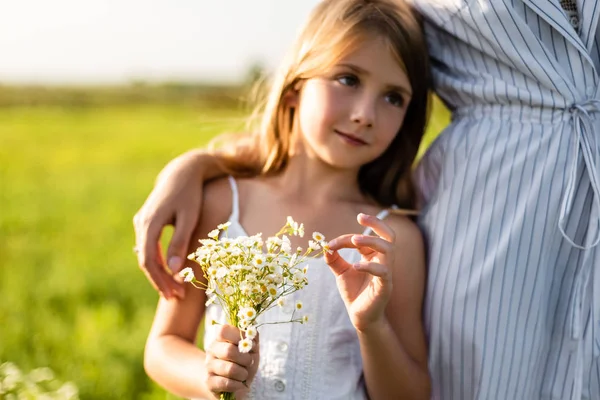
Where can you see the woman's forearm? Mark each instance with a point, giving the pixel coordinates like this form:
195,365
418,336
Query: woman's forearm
177,366
200,162
390,373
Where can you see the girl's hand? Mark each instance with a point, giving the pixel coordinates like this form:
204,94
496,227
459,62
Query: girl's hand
366,286
228,370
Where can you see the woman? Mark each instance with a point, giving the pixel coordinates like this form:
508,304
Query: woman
511,201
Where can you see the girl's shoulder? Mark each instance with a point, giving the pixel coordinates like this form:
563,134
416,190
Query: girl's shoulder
407,233
216,204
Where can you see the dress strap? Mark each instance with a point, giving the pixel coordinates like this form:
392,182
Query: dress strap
235,208
381,215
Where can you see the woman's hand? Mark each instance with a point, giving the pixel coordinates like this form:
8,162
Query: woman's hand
366,286
175,200
227,369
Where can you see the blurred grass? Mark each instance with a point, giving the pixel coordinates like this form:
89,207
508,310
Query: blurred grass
70,181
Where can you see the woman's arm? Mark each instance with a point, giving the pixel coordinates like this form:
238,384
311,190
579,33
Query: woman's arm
384,294
175,200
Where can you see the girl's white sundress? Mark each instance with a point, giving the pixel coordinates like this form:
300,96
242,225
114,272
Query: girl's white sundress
317,360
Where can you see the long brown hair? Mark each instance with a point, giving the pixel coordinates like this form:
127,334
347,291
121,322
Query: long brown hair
333,30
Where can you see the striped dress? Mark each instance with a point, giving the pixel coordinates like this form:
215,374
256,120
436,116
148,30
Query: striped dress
511,201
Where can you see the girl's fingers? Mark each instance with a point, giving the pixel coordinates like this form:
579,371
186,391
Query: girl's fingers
372,242
226,369
360,242
229,352
377,225
376,269
228,333
337,264
219,384
341,242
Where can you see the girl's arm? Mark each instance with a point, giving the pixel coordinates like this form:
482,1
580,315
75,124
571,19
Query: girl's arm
175,200
384,295
172,358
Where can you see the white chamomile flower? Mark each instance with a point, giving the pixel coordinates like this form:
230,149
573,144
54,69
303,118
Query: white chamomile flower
290,221
246,290
224,226
207,243
247,313
259,261
273,241
243,324
245,345
318,237
211,272
222,253
214,234
298,305
297,229
281,302
304,319
286,246
187,274
278,279
293,259
211,300
229,290
251,332
313,246
272,289
298,276
221,272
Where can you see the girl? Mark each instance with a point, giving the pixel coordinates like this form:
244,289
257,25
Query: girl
339,133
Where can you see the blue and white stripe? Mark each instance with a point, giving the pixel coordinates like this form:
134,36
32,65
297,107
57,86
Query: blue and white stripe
511,195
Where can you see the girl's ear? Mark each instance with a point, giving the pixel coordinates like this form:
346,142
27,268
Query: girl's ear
292,98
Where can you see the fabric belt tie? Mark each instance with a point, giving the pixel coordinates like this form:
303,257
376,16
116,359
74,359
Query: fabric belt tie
586,145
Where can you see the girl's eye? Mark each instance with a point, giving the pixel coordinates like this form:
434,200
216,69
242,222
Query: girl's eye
395,99
348,80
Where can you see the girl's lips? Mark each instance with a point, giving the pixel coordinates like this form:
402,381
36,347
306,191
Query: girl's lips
351,139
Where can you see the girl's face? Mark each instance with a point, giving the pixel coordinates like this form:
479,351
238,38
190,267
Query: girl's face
349,116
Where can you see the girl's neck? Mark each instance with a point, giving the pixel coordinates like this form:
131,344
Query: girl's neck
312,179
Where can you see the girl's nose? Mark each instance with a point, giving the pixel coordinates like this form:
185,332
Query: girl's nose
363,112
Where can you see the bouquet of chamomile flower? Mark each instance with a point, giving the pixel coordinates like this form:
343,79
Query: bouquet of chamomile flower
248,276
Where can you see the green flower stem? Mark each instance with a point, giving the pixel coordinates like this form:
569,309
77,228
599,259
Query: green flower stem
227,396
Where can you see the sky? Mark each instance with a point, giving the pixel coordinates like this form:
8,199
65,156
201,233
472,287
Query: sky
117,41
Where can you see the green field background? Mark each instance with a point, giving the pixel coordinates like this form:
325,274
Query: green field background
71,179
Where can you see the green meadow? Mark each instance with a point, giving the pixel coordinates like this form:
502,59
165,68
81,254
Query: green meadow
71,179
